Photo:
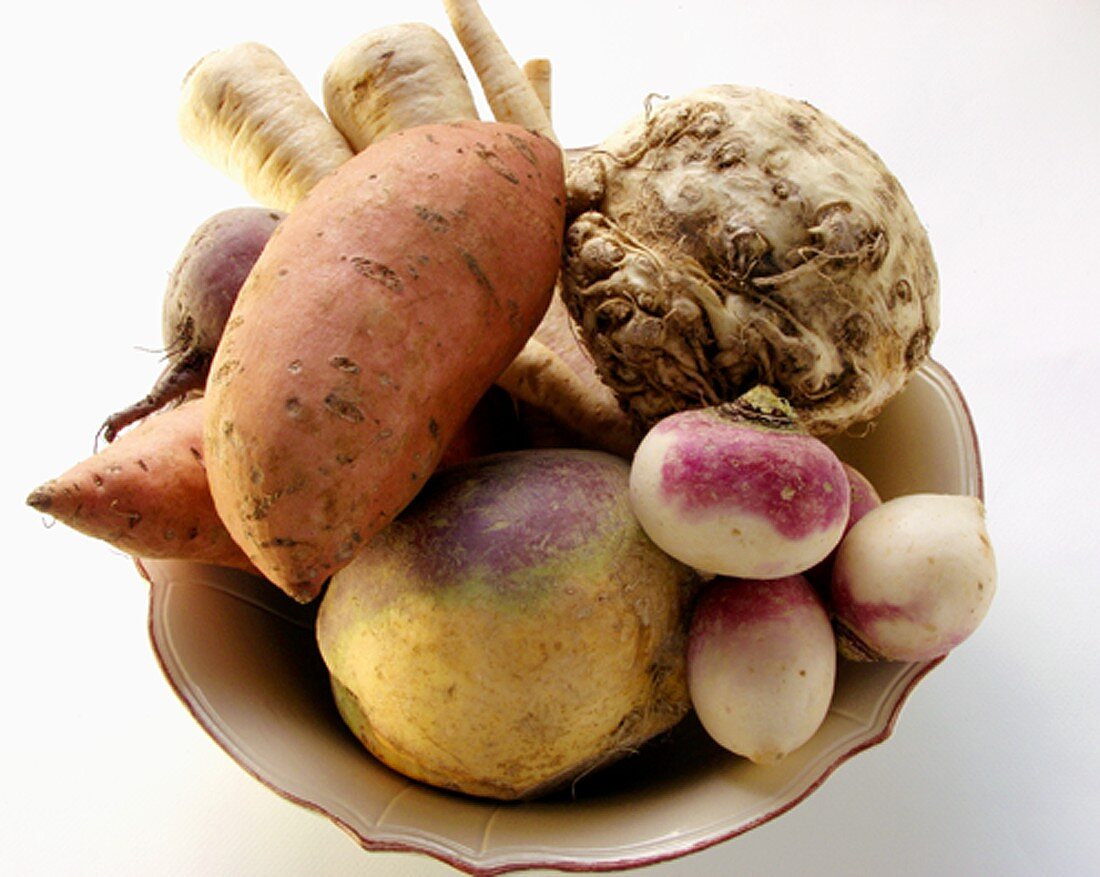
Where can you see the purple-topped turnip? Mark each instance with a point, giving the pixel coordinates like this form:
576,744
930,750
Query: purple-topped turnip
862,498
740,489
913,578
201,291
761,665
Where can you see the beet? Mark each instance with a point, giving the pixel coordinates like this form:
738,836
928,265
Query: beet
201,291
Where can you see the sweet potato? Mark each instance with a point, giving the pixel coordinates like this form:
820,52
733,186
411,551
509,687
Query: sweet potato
383,308
146,493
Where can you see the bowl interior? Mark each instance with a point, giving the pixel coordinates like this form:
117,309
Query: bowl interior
242,658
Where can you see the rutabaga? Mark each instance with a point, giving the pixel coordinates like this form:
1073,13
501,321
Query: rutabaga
512,630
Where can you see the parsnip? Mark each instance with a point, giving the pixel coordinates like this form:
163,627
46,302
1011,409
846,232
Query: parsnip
511,96
246,113
537,71
395,78
554,376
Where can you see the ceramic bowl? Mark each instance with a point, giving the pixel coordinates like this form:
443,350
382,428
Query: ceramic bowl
242,659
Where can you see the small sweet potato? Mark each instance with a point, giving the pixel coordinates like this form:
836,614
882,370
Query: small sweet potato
146,493
382,309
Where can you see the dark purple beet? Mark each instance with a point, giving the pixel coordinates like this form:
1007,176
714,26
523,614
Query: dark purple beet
201,291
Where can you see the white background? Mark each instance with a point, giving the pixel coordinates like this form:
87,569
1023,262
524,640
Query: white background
989,112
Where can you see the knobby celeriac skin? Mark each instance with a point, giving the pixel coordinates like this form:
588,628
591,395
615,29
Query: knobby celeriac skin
512,629
734,236
560,394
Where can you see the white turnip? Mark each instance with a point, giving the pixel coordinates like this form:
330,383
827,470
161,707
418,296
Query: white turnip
913,578
761,665
740,489
733,237
201,290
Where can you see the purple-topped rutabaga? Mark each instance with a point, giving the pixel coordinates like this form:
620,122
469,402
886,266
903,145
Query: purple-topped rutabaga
512,629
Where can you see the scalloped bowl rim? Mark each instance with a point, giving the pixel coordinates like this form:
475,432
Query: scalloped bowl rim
172,595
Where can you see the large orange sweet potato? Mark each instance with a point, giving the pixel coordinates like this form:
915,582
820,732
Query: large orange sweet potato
385,305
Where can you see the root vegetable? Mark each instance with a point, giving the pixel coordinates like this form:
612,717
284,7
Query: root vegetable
395,78
147,494
552,376
913,578
492,427
862,498
538,73
388,303
734,237
512,629
510,94
761,665
246,113
740,489
201,290
557,383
